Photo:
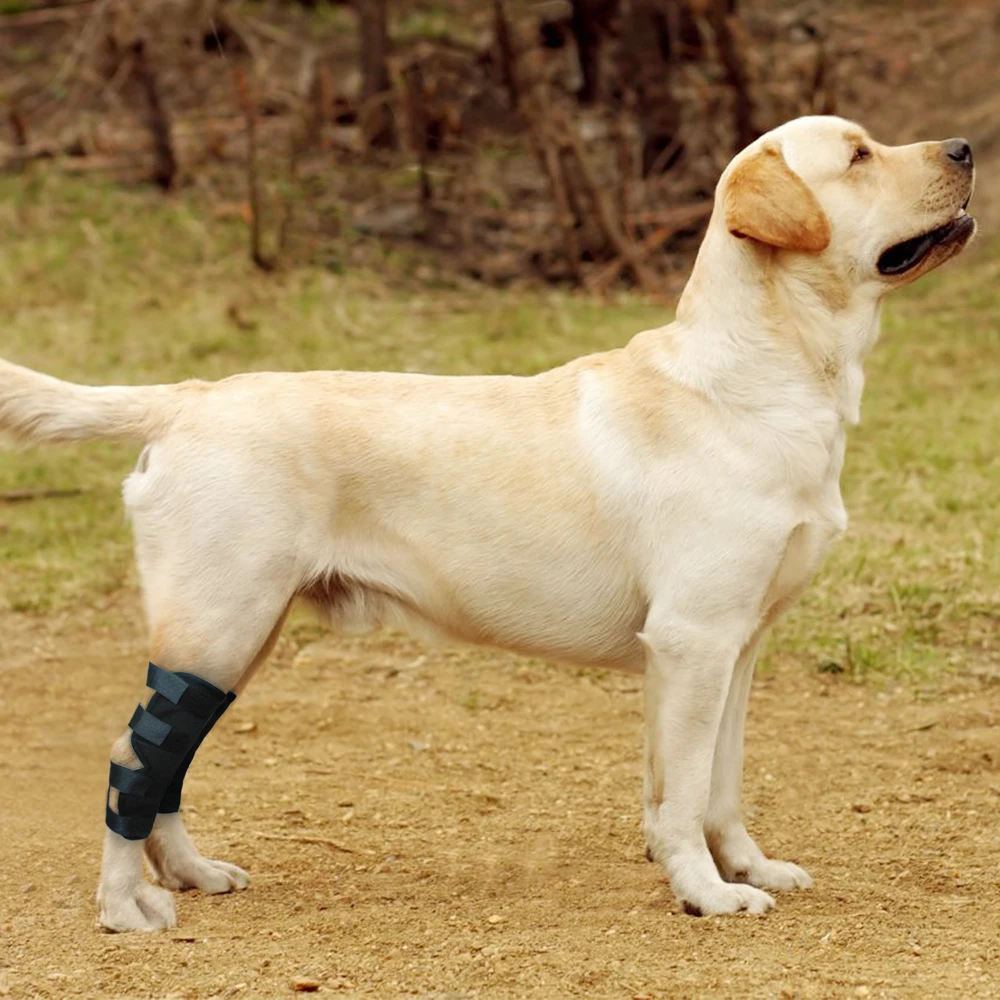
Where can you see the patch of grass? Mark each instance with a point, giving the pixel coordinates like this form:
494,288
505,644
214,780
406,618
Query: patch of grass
339,18
431,21
104,284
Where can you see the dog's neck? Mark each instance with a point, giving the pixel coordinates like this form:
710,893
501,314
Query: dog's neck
801,331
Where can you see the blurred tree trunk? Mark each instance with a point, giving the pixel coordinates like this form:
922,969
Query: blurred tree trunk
651,51
377,122
721,14
660,34
590,22
508,57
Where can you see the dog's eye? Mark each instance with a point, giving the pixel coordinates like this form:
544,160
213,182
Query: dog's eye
861,153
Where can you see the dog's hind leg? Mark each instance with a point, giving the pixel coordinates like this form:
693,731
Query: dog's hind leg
172,856
210,630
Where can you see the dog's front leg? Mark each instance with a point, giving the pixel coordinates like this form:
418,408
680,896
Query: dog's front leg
738,858
688,673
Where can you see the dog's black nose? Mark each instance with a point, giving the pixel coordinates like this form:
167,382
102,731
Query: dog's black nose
959,150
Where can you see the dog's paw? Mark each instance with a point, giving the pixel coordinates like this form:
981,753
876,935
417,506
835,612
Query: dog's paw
722,897
698,888
142,908
177,864
196,872
766,873
740,860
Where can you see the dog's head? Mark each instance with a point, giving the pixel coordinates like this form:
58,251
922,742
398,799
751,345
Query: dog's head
820,187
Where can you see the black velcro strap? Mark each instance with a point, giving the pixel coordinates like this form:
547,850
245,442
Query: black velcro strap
171,686
129,827
148,726
128,780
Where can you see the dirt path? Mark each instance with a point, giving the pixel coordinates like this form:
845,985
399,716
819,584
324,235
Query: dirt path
492,810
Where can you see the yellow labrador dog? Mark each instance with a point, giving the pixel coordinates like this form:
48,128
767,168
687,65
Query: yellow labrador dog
656,506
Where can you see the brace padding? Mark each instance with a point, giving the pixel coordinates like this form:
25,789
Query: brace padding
165,735
171,801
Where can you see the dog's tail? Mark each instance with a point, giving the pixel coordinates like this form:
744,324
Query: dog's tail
35,408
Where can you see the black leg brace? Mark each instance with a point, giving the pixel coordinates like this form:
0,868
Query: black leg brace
165,735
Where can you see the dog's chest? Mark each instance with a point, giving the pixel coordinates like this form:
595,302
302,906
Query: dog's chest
822,520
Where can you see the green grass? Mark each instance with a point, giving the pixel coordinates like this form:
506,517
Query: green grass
105,284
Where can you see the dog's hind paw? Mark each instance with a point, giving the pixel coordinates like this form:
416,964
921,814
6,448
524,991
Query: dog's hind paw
202,873
144,908
177,864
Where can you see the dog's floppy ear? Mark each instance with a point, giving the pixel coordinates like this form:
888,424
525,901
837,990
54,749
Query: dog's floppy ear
766,200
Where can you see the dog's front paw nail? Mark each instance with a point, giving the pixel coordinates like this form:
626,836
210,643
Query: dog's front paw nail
147,908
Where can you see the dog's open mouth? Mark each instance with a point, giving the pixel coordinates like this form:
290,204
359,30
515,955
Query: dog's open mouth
907,255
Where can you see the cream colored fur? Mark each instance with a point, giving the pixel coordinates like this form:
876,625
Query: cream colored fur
651,508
